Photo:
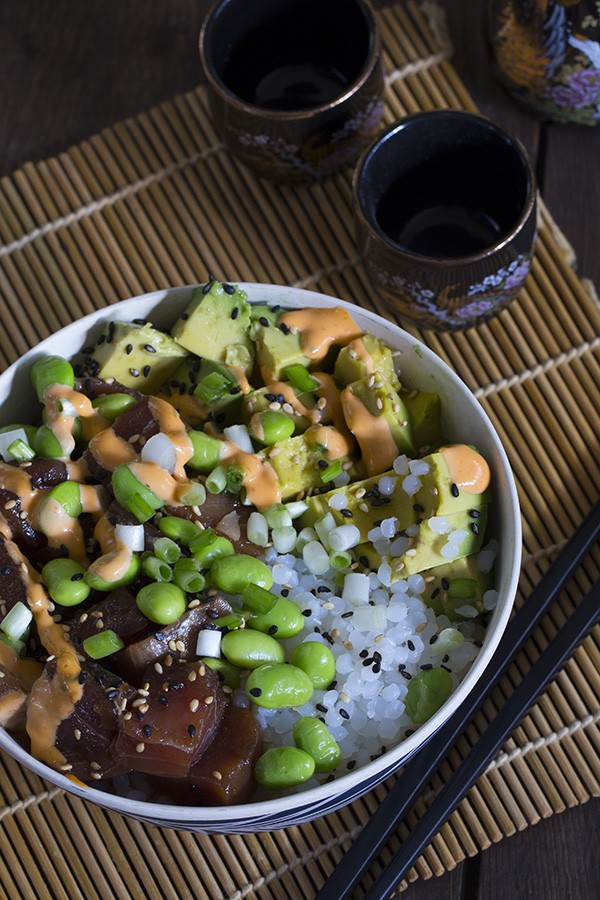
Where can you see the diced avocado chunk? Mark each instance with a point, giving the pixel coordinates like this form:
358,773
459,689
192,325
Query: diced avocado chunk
457,586
431,548
437,494
381,399
136,355
215,325
424,409
275,350
363,357
296,464
263,311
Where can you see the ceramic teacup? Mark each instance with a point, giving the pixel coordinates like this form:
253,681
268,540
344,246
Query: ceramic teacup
445,208
295,86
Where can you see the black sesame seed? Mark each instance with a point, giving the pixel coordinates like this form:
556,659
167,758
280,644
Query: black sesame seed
446,668
406,674
139,714
344,714
164,700
191,730
434,593
454,490
376,668
306,613
478,643
228,288
5,570
83,676
418,508
368,661
322,463
350,764
273,630
134,373
264,321
474,527
146,371
363,561
347,513
255,692
88,350
235,312
321,719
101,339
321,707
235,390
147,731
409,731
377,656
177,686
328,637
139,321
445,658
474,513
323,589
149,348
410,645
363,654
206,288
347,615
285,592
427,666
284,328
401,667
433,638
445,584
185,316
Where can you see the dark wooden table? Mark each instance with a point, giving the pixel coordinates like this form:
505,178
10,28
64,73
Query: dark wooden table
69,68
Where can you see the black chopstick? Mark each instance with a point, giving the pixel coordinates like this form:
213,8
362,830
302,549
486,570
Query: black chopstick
403,795
521,700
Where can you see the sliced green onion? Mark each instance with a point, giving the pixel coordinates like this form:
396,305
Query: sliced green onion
166,550
16,622
213,387
195,495
258,600
21,451
306,536
186,575
257,529
216,482
140,509
296,508
278,516
179,529
157,569
235,479
340,559
203,540
332,471
300,379
97,646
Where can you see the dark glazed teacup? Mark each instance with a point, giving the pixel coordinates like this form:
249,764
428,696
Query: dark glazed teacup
295,86
445,207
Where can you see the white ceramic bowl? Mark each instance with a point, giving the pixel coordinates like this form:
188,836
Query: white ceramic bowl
464,421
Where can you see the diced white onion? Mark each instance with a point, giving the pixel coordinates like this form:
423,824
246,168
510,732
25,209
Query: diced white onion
356,588
239,435
305,537
341,480
344,537
159,449
323,526
315,558
131,536
257,529
230,526
209,643
7,437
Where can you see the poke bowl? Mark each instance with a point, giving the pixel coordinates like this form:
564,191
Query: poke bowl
400,594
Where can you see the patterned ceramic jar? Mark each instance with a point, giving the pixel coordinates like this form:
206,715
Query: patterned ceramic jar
295,85
445,207
547,54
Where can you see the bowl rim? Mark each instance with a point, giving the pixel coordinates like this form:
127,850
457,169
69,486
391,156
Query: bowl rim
363,778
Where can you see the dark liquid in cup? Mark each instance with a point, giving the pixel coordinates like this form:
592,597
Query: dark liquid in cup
445,207
299,86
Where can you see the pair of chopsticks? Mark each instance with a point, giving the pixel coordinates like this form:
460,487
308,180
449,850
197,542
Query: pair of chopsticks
411,783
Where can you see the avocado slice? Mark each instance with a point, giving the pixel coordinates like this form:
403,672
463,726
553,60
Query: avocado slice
215,325
457,585
135,354
296,463
363,357
438,495
381,399
430,548
424,409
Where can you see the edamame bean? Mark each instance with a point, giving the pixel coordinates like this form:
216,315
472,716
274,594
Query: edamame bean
207,451
312,736
98,583
271,426
51,370
279,685
233,573
65,581
249,649
110,406
227,672
208,547
317,661
161,603
180,530
46,444
426,693
284,620
283,767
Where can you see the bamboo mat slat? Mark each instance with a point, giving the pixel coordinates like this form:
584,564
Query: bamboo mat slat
156,201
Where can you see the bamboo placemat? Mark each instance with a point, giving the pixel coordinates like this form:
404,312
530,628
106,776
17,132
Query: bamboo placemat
156,201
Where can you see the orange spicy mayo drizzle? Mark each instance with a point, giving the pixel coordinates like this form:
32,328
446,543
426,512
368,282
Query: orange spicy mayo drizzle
320,328
170,423
468,470
333,411
359,351
50,701
62,424
60,528
373,434
110,450
335,443
116,557
260,480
